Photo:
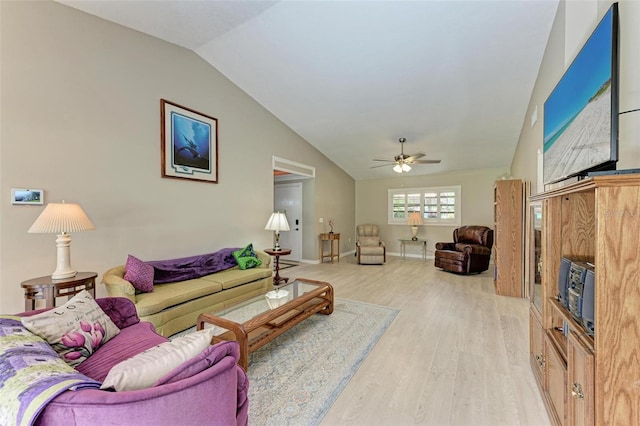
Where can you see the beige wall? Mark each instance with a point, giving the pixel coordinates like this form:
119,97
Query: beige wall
573,24
477,204
80,119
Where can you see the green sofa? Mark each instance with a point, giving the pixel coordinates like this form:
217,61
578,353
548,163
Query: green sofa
174,307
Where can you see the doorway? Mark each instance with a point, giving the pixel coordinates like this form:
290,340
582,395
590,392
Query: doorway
287,198
294,195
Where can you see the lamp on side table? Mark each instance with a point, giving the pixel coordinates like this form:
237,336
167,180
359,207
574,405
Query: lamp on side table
61,219
414,220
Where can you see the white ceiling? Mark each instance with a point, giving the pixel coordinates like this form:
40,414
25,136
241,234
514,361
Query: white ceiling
351,77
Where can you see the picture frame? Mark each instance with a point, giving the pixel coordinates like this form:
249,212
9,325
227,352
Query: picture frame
25,196
189,143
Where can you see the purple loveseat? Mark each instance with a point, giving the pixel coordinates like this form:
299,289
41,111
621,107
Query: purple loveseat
210,389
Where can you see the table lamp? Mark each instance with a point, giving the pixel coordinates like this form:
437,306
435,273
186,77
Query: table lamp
276,223
62,218
414,220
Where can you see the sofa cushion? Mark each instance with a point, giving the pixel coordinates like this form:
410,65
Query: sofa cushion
74,330
235,277
246,257
451,255
139,274
371,250
369,241
129,342
145,368
170,294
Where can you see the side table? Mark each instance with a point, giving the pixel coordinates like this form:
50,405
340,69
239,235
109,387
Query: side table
47,289
277,253
403,248
331,237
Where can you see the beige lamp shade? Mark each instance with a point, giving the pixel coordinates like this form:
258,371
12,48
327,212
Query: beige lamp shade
277,222
414,220
61,219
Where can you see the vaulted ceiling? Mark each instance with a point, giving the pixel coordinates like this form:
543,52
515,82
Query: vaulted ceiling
352,77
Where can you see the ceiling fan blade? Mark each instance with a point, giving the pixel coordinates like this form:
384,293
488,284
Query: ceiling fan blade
380,159
382,165
414,157
426,162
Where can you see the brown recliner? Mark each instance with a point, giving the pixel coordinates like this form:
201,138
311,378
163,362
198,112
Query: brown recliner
469,252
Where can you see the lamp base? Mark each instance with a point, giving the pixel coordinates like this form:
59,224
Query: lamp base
63,275
276,298
414,233
63,259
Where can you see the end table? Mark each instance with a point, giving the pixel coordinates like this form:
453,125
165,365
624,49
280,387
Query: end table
403,247
47,289
331,237
277,253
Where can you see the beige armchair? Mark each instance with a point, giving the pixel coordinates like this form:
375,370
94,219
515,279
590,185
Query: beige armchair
369,249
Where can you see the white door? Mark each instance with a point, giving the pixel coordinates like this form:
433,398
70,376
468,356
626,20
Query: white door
288,199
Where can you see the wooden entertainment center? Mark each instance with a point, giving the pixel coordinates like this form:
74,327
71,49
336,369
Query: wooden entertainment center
589,380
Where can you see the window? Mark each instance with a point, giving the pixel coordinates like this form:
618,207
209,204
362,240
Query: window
438,206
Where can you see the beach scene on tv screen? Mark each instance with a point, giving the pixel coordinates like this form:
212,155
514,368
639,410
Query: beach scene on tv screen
577,114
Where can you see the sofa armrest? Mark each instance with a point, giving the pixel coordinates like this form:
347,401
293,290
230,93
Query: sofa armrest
472,249
264,257
117,286
445,246
214,395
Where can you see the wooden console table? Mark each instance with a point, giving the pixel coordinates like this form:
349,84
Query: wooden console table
47,289
331,238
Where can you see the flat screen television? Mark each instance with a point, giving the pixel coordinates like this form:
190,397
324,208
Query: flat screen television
581,113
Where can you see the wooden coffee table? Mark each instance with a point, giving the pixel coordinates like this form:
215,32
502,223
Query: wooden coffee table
254,324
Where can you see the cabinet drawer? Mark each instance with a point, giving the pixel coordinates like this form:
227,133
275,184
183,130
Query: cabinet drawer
536,347
580,391
556,381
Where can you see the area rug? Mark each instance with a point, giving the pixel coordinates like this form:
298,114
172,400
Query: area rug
295,379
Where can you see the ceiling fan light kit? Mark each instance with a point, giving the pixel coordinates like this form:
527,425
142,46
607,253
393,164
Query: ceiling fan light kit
401,168
401,163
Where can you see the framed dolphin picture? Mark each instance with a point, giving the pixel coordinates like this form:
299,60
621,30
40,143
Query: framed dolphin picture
189,143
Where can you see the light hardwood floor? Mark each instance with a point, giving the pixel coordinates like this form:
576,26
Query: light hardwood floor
456,354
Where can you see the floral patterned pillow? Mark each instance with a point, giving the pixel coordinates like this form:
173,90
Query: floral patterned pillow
74,330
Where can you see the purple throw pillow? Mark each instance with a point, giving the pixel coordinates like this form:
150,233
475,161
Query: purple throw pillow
139,274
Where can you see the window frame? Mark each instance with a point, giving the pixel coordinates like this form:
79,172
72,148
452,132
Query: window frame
393,194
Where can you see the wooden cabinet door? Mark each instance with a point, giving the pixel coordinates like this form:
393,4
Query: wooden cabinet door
581,409
556,381
508,217
536,346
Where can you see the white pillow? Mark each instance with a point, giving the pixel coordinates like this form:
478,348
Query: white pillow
146,368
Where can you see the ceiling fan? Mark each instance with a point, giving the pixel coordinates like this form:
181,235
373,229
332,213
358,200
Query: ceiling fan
401,163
